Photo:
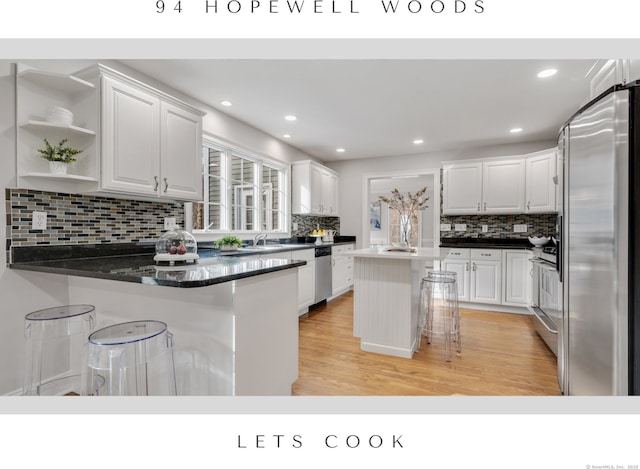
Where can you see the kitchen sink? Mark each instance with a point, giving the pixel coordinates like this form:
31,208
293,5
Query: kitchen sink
268,247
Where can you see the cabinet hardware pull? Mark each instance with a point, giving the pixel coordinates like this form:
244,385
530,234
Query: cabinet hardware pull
474,266
155,178
478,206
485,206
528,205
166,185
466,266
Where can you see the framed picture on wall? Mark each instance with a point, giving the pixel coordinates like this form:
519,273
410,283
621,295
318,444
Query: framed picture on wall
374,216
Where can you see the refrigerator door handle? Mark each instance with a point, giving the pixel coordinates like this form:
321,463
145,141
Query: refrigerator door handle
559,254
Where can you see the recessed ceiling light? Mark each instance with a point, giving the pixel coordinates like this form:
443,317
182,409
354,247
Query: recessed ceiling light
340,150
547,73
418,141
515,130
286,136
225,103
291,117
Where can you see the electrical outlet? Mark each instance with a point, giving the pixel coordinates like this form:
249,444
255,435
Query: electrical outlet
445,226
485,228
461,227
169,223
39,220
295,226
519,228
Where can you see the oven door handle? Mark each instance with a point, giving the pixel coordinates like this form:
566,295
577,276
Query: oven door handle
542,263
541,316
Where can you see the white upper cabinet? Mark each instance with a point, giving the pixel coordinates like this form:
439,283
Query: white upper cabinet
151,142
607,73
130,139
314,189
540,183
181,132
503,186
462,186
488,187
523,184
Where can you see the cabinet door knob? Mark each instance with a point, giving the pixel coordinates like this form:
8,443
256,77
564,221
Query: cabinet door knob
155,178
166,185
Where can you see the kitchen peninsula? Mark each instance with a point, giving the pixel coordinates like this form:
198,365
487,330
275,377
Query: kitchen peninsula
234,319
387,297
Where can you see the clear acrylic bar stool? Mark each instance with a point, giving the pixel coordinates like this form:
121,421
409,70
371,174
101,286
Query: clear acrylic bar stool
440,314
55,346
132,359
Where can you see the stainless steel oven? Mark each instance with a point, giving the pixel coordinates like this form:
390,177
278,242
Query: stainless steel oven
546,300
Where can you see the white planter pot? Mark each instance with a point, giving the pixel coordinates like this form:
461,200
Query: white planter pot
226,247
58,167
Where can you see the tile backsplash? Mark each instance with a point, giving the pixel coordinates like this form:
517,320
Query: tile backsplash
500,226
308,223
85,219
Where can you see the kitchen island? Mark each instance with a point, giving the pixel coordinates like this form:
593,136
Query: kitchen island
387,297
234,319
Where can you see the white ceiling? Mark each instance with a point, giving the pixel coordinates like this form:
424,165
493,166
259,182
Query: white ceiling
376,108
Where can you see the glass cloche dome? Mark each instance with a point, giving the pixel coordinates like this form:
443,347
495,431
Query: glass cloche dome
176,245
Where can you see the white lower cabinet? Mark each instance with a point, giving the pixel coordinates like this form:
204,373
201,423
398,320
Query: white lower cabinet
479,274
517,278
486,276
306,279
341,269
460,264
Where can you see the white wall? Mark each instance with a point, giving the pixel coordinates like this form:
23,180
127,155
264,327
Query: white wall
352,175
20,293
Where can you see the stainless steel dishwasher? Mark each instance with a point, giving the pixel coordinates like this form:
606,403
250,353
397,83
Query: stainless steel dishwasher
322,273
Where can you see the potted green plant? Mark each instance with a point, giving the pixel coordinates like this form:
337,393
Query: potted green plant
58,156
228,243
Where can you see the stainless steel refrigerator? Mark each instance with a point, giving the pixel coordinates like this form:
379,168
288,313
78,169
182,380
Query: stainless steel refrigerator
600,269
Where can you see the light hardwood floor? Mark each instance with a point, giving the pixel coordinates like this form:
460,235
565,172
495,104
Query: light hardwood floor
501,355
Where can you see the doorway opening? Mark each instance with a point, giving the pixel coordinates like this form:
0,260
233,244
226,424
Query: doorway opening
381,226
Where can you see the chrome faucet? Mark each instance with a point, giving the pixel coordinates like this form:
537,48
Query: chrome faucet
260,236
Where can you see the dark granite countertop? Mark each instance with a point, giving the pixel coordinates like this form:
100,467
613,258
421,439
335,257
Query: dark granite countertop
486,243
140,268
134,262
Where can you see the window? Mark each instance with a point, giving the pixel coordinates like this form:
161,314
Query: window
242,193
412,224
